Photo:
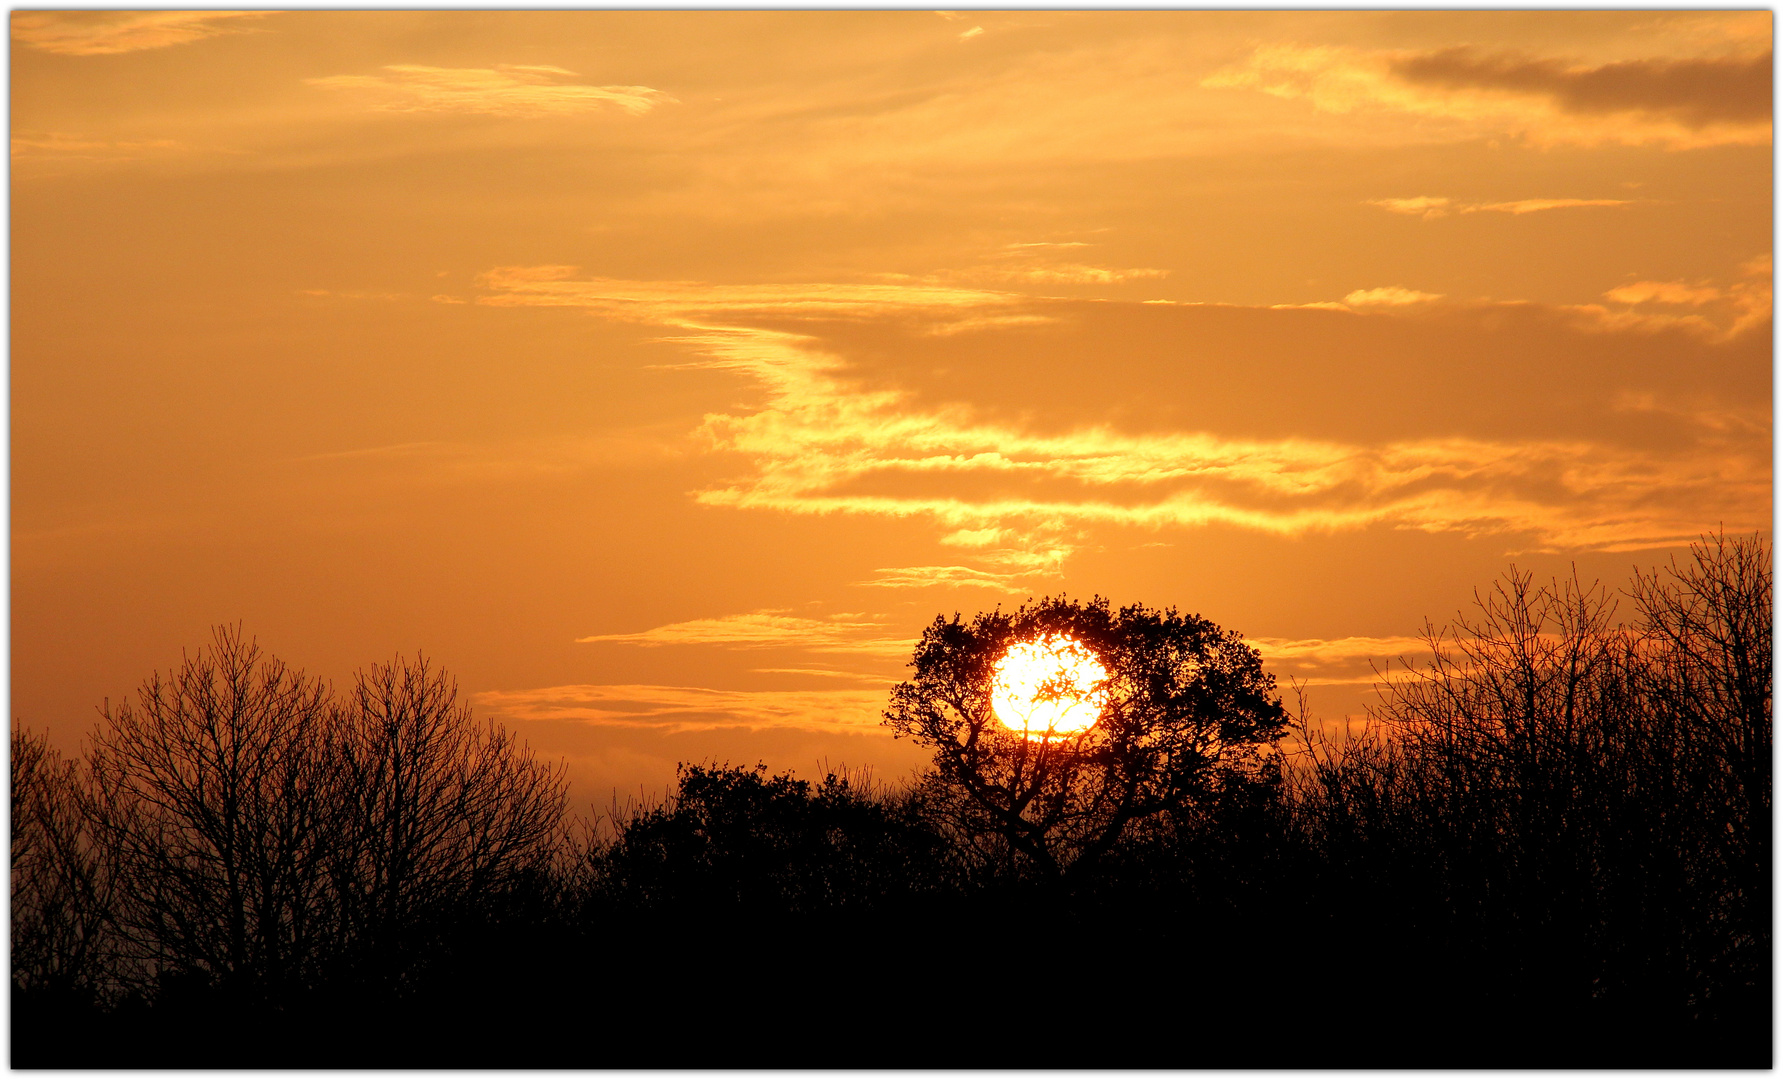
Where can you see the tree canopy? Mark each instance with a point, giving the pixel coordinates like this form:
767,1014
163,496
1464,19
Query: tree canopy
1187,709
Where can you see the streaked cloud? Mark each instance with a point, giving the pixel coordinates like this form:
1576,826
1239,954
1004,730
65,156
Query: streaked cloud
1430,207
64,146
767,630
103,33
822,443
923,577
670,301
1336,650
1388,296
689,708
1675,102
1695,92
518,90
1663,292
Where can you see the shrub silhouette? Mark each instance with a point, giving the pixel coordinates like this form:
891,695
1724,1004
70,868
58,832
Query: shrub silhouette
740,839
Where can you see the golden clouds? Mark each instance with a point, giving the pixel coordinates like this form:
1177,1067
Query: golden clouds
516,90
1019,499
1388,296
1430,207
689,708
103,33
671,301
1676,102
766,630
925,577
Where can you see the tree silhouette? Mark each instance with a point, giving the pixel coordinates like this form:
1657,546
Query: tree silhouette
60,892
1187,711
215,807
438,812
267,839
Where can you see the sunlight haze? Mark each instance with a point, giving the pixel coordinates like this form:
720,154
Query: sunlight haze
662,375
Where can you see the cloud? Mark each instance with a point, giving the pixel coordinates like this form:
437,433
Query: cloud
672,301
1428,206
1066,274
63,146
1335,650
1431,207
520,90
1389,296
843,426
1663,292
923,577
1697,92
1531,206
103,33
689,708
1677,103
766,630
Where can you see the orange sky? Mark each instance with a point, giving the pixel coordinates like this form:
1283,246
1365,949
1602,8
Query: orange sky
662,374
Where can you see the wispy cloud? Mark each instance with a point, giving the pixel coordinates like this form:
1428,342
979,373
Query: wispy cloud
1389,296
689,708
670,301
64,146
1663,292
1431,207
519,90
923,577
1678,103
102,33
767,630
1336,650
822,442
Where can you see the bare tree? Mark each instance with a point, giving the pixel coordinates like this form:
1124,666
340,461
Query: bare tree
441,811
1188,709
60,894
1592,794
215,806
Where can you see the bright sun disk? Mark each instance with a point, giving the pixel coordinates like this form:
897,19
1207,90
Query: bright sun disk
1053,685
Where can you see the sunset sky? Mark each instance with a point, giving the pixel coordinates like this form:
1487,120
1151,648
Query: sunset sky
662,374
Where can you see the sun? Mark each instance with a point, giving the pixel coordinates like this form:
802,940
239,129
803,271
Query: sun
1052,685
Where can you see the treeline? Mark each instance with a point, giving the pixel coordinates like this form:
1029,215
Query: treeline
1550,846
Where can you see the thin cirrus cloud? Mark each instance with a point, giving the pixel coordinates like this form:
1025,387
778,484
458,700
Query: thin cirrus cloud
514,90
823,442
766,630
670,301
689,708
1675,103
925,577
1431,207
104,33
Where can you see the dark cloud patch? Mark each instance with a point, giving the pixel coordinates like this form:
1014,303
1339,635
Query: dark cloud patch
1695,92
1486,371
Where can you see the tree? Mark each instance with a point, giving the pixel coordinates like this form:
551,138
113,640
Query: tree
60,892
215,806
438,812
737,839
1188,710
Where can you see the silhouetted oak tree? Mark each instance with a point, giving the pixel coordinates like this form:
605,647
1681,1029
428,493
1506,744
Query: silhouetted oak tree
1189,710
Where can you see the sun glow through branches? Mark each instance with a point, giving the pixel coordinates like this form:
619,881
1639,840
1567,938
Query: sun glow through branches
1052,685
